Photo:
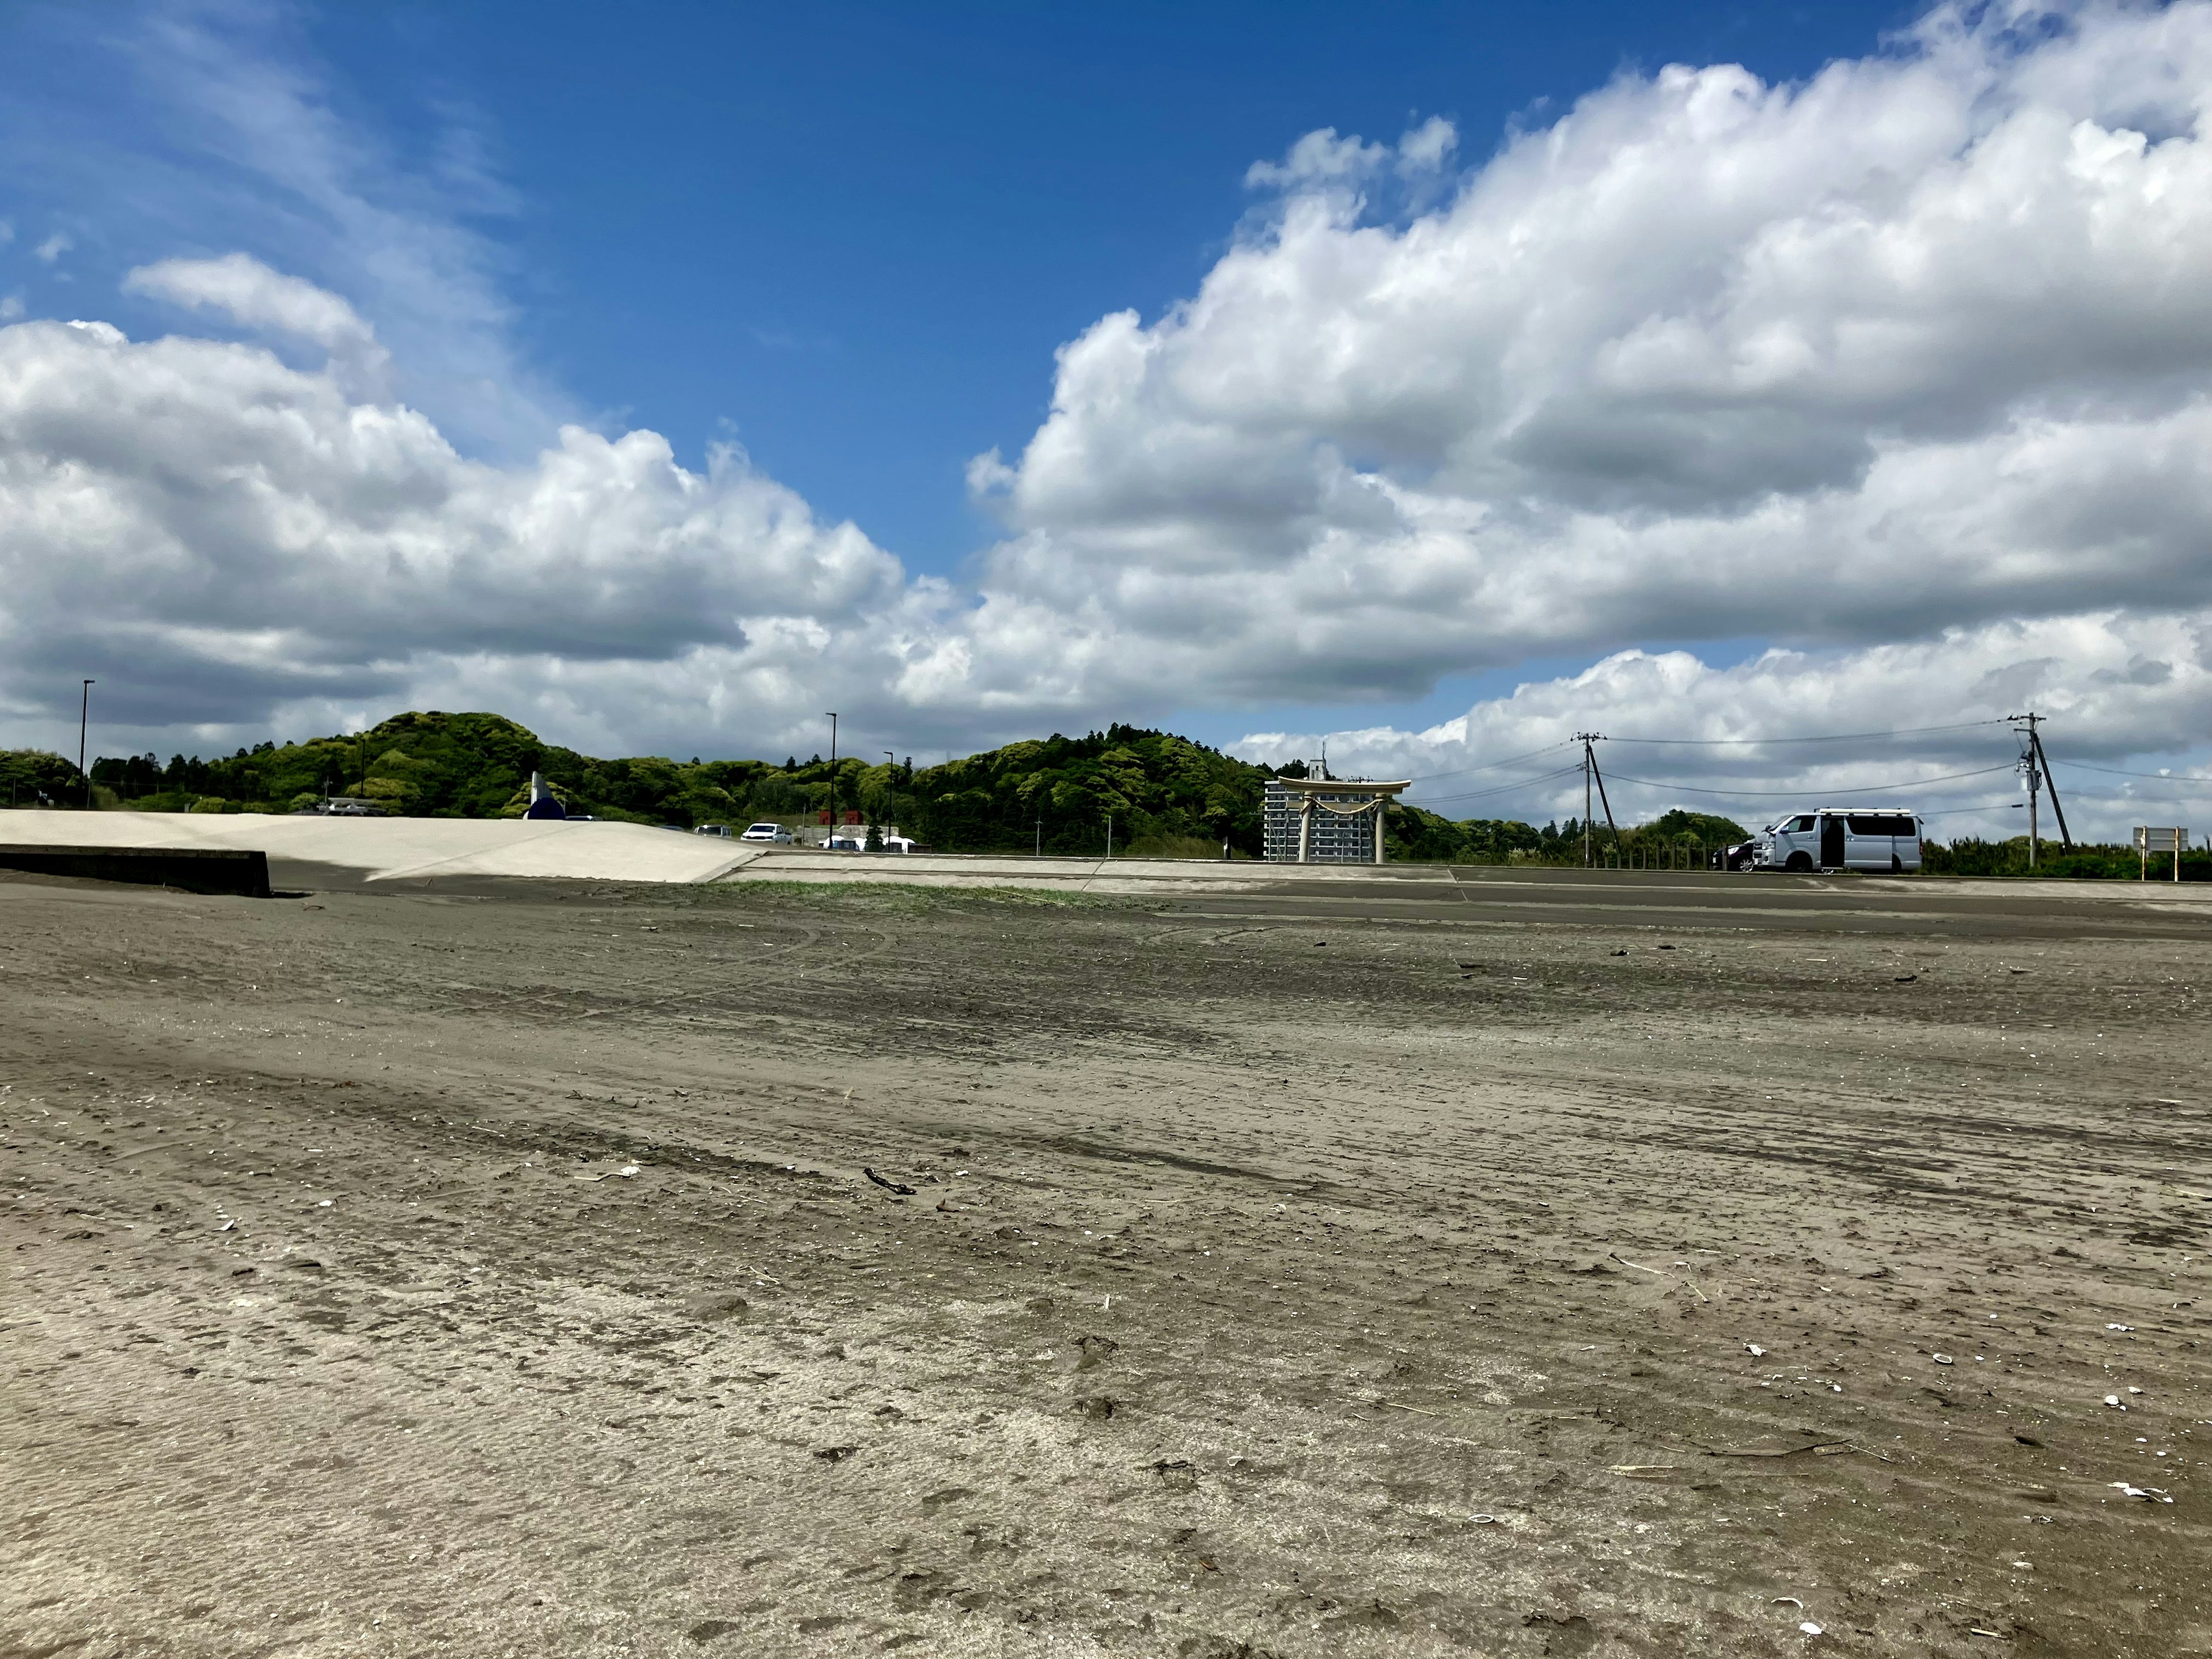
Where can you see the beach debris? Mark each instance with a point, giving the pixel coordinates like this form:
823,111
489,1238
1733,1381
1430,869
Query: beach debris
1943,1358
897,1187
1093,1351
2119,1328
1904,978
1621,953
1754,1351
228,1223
2113,1399
945,1205
1775,1452
1809,1628
627,1170
1483,1519
837,1454
2148,1494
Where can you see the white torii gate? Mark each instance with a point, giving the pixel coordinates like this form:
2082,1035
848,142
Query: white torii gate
1374,801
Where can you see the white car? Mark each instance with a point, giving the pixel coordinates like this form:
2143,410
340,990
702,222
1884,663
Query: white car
1872,838
774,833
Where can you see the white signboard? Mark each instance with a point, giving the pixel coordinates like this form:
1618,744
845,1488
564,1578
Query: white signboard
2154,840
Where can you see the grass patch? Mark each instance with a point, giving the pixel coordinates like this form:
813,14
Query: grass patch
1170,847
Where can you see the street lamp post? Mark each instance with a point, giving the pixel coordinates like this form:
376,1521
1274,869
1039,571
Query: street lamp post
83,719
833,776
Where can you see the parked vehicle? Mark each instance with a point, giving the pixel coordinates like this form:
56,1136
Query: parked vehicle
769,832
1884,838
1741,856
856,840
723,831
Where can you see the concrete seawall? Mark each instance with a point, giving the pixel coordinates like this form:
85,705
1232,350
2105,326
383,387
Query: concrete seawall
194,869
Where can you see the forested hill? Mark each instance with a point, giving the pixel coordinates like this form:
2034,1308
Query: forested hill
1163,794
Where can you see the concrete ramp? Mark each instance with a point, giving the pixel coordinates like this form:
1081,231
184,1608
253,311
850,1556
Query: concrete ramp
385,850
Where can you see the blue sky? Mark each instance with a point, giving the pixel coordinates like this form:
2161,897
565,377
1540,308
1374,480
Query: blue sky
853,236
857,233
1491,369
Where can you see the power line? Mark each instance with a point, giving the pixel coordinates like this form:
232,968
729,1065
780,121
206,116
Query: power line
1836,736
1490,766
1709,742
2161,777
1508,788
1809,789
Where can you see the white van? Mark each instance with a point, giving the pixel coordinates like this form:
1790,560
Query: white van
1886,838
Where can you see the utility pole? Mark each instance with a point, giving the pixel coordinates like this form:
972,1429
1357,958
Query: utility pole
833,775
1591,774
1583,738
2036,764
84,717
891,784
1110,835
2041,758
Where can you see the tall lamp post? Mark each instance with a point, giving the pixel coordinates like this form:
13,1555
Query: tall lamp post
83,718
833,775
891,780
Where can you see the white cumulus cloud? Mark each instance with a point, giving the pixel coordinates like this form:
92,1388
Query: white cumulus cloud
219,537
1922,343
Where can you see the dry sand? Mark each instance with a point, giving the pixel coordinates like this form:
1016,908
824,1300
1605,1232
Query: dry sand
1269,1286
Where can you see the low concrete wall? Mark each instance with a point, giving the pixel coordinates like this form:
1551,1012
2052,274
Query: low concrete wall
193,869
1078,875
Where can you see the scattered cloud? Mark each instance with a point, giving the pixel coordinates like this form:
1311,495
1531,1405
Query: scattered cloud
259,299
53,247
1719,739
11,307
188,130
